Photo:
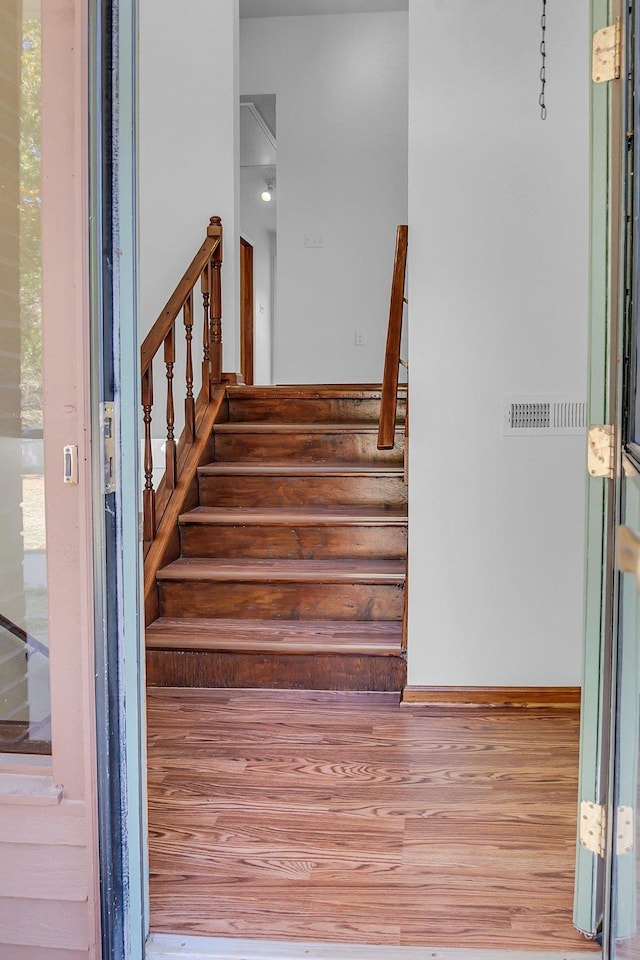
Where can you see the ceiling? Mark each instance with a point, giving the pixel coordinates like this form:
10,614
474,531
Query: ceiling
291,8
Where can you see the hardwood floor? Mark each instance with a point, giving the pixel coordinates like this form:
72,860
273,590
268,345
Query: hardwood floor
343,817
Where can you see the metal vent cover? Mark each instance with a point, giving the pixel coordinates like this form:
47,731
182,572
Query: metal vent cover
543,416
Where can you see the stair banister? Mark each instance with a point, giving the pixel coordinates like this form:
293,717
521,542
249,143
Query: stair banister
392,361
206,269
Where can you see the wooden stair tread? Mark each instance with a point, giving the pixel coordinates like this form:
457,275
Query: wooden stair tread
285,571
299,516
365,638
293,468
314,391
260,426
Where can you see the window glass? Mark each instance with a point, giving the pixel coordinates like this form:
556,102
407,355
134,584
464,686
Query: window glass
24,657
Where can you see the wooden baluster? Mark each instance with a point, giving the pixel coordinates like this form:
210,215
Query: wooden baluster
206,356
215,336
170,459
406,437
149,494
189,403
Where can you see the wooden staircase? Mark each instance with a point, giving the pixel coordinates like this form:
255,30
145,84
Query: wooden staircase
292,562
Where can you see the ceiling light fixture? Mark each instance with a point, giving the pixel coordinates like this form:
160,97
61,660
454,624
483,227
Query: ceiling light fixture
267,193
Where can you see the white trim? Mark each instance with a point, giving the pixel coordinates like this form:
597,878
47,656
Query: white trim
33,763
27,788
169,947
257,116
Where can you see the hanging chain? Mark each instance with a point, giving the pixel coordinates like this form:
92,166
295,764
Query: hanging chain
543,66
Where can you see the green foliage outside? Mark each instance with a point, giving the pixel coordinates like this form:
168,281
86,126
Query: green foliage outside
30,227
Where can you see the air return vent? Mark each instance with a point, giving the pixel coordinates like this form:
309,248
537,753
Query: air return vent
543,416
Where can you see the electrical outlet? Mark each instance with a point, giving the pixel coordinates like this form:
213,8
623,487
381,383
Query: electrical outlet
313,240
359,338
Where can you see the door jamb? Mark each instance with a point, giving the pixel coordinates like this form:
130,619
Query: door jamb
247,321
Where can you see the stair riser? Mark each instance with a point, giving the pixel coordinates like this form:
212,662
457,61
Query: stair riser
238,491
311,447
295,672
281,601
301,543
337,410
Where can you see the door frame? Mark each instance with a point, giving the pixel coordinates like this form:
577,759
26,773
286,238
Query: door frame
120,676
247,321
602,495
126,627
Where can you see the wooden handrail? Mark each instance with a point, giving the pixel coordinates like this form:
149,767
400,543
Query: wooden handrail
155,338
389,402
205,268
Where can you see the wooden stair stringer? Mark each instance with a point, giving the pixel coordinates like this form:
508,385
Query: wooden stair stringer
166,545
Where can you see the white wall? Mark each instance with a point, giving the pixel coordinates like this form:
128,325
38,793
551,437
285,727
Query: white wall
498,205
341,92
188,103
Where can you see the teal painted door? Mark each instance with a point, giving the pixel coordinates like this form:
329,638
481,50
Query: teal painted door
621,935
607,882
602,493
621,920
611,258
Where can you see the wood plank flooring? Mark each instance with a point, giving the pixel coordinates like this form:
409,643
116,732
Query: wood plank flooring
319,816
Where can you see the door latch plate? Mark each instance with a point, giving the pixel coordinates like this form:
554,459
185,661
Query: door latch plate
70,455
107,424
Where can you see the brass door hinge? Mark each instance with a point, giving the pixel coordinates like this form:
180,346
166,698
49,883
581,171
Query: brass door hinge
606,57
601,451
593,827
